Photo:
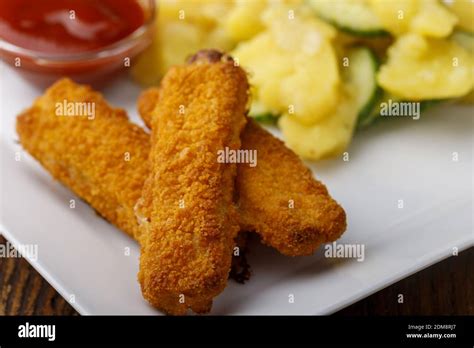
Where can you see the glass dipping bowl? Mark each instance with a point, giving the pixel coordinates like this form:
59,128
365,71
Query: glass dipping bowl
95,67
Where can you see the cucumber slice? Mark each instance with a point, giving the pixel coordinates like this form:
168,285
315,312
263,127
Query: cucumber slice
261,114
464,39
268,119
353,17
374,115
428,104
360,78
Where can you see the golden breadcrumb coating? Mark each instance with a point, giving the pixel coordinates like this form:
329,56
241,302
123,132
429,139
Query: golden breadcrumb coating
103,159
189,220
281,200
279,197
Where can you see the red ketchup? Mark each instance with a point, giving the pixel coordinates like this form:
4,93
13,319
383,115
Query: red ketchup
62,30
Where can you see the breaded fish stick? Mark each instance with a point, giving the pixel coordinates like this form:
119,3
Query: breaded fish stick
188,216
279,197
90,157
103,158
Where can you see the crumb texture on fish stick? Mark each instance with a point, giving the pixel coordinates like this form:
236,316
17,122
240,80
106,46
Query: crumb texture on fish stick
101,157
281,200
279,197
104,161
190,221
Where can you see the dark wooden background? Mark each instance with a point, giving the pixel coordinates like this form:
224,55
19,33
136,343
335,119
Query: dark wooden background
446,288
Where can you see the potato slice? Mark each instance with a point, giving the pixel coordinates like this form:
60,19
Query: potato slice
464,10
183,27
244,21
420,68
293,65
327,138
424,17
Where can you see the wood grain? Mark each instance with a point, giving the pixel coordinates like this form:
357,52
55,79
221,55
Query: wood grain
446,288
24,292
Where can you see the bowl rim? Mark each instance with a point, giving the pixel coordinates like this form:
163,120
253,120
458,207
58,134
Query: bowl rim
123,45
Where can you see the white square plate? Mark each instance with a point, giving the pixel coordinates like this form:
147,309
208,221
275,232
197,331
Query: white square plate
83,256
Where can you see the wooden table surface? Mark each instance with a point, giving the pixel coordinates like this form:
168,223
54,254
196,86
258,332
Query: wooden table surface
445,288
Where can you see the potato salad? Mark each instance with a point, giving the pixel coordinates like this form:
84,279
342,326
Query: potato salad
320,69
